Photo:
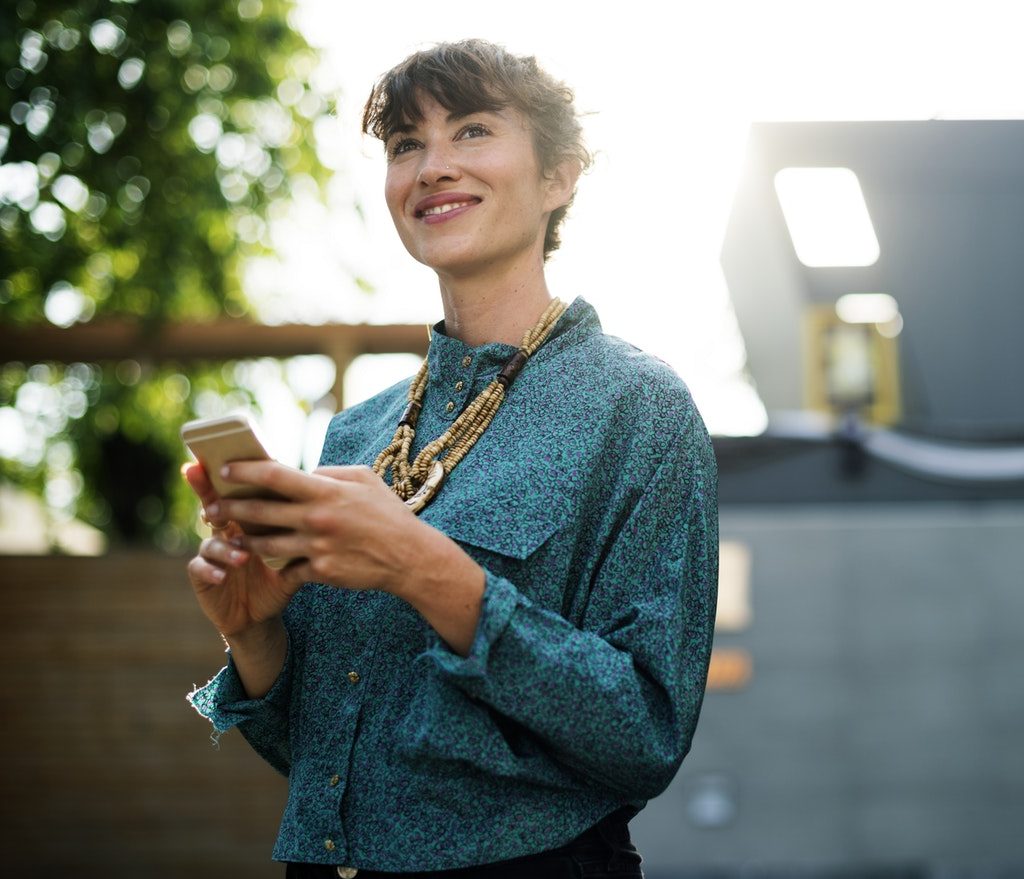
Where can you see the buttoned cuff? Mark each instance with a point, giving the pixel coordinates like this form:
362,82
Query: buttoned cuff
224,702
499,602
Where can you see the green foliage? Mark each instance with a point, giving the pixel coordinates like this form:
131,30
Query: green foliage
101,442
143,146
147,142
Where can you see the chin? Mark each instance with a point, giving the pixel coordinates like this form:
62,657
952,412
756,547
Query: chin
450,262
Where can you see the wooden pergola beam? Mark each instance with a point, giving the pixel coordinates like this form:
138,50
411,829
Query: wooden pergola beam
214,340
115,339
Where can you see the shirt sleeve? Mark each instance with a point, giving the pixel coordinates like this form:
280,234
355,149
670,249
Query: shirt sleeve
263,722
617,698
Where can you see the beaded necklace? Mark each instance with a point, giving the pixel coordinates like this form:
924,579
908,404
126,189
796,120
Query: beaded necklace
417,482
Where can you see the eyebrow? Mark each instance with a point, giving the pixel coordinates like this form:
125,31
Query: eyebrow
453,116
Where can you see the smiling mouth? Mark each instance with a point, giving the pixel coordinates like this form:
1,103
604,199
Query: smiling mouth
436,210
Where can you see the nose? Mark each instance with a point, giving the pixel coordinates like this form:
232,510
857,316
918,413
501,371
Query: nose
436,166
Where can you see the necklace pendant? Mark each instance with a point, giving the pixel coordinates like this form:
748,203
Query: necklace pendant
429,488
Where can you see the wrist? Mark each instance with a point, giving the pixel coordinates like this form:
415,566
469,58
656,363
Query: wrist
258,636
446,587
417,552
431,562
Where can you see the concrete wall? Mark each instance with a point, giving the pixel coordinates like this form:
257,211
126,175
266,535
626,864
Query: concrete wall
884,722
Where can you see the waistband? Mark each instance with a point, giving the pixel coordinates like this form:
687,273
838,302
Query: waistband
605,839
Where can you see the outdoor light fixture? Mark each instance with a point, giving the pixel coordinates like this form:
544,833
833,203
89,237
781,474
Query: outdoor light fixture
827,217
867,308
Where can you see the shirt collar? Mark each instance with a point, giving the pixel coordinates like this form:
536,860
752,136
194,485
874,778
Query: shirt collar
446,354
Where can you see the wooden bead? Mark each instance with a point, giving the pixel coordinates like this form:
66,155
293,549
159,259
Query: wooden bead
411,414
417,482
511,369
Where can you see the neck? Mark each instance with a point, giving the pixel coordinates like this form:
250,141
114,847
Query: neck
485,309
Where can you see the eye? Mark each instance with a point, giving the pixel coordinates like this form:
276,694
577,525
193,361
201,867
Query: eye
402,145
474,129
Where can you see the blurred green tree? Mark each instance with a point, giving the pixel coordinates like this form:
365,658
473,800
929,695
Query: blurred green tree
143,146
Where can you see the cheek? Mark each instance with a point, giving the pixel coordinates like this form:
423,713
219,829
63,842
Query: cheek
394,194
530,199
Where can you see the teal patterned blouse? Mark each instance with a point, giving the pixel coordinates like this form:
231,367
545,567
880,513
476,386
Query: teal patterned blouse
591,503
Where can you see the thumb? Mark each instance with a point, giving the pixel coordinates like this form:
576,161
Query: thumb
348,473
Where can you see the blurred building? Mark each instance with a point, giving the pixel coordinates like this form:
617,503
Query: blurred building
873,537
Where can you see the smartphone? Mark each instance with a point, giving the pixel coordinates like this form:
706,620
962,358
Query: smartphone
217,441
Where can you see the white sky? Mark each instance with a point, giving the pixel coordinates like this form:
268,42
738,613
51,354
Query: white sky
672,88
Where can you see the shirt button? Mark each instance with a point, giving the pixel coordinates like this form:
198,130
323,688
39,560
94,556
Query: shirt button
334,780
459,386
329,845
353,677
347,872
450,406
467,360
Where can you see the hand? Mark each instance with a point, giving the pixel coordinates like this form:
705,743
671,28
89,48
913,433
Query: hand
342,525
235,589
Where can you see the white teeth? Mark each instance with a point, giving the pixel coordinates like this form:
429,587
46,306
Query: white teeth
444,208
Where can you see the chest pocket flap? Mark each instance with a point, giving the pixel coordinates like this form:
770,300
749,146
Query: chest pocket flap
501,517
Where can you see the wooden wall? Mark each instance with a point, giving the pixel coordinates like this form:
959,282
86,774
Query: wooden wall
108,772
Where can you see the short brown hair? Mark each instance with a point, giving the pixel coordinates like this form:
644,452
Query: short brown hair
470,76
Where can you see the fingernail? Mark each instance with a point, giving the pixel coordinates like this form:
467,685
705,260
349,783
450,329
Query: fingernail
225,470
218,574
213,509
237,555
236,541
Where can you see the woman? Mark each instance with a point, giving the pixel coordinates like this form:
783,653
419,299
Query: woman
491,648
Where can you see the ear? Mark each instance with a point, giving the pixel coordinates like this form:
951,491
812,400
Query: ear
560,183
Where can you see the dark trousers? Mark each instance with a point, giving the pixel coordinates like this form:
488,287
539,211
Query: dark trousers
605,851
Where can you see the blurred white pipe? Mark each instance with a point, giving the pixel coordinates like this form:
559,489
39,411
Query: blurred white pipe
958,462
944,460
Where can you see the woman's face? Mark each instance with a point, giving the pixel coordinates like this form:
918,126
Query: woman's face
467,194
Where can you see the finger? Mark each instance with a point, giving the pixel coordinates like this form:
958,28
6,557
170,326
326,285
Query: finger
298,571
349,473
225,530
259,511
199,482
278,546
285,481
218,522
220,551
205,573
